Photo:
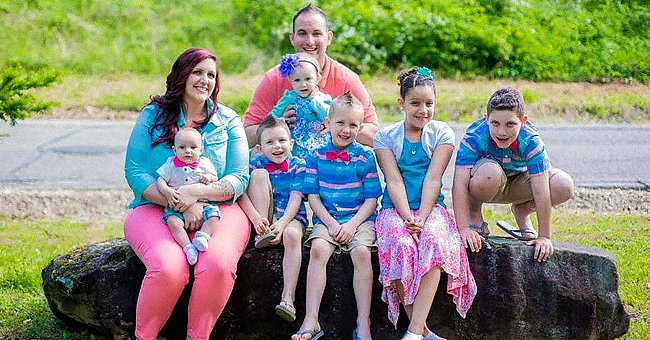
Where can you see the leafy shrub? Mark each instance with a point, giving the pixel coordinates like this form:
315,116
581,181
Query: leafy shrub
539,40
586,40
15,80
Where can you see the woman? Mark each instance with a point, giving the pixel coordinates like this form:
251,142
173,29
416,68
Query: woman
190,100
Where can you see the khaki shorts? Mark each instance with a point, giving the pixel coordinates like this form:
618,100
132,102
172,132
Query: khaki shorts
365,236
514,189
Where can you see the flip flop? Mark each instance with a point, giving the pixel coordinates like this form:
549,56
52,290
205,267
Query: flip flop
482,229
284,310
264,240
313,334
516,233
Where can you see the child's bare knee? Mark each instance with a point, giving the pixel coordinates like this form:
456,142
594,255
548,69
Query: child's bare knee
292,236
360,255
484,188
486,181
562,188
320,250
259,176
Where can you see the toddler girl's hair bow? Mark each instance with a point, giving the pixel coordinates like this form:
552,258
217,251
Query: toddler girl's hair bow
288,64
425,72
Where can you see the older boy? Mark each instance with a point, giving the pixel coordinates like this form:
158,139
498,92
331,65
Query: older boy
501,159
342,185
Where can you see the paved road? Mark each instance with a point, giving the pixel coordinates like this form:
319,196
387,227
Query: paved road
48,154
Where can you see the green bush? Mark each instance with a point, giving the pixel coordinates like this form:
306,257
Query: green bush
15,80
537,40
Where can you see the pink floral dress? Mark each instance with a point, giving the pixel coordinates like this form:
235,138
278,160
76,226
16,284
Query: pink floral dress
401,258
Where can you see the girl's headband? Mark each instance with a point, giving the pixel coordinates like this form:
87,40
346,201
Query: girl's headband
289,62
424,72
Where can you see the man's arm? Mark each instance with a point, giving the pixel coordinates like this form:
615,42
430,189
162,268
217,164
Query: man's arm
266,95
367,133
251,131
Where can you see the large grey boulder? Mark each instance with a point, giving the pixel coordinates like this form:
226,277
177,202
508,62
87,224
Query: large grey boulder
572,296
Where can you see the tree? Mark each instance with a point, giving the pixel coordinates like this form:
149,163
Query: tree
16,79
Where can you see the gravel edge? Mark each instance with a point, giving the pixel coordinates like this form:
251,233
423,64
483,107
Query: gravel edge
111,205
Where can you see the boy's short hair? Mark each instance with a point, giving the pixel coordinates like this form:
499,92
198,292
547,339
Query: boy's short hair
506,99
348,102
270,122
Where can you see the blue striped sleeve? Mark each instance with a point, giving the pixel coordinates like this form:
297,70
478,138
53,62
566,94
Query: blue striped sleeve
311,183
371,184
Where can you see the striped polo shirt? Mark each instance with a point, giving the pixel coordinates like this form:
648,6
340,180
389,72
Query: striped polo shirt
527,154
284,184
342,186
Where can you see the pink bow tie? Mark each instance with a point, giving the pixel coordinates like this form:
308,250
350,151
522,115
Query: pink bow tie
178,163
332,155
283,167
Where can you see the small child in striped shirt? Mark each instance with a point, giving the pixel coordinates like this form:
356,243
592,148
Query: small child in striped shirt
274,203
342,185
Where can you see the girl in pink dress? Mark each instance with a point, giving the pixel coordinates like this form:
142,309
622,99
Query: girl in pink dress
417,238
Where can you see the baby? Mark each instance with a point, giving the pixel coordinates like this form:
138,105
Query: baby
187,167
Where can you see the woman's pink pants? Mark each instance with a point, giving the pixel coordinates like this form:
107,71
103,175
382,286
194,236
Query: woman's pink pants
168,270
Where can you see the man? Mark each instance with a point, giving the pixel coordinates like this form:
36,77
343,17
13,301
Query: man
311,34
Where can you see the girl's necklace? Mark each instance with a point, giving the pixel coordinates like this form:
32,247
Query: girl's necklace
413,148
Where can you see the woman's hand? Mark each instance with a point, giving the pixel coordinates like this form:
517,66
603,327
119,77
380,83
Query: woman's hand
186,197
172,197
193,216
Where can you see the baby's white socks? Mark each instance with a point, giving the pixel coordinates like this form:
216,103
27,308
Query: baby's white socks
200,240
199,243
191,254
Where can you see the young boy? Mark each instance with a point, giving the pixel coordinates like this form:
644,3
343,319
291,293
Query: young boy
187,167
501,159
274,203
342,186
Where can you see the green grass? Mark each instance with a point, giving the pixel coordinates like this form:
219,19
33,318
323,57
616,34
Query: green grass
27,246
458,101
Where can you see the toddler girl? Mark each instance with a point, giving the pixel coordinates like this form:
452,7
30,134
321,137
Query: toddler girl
310,104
